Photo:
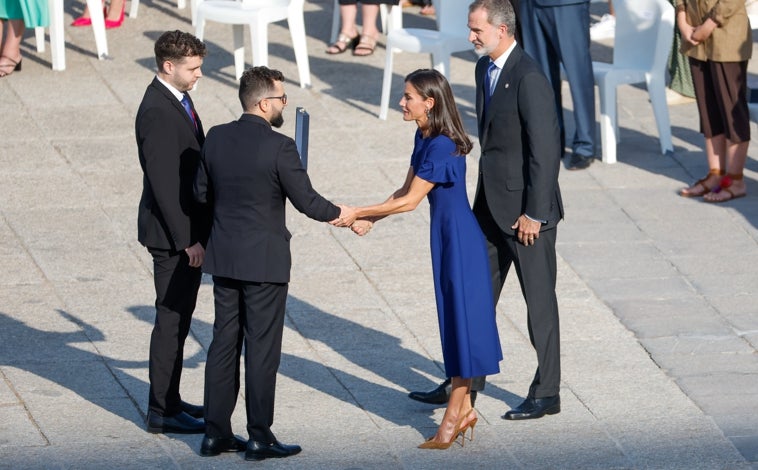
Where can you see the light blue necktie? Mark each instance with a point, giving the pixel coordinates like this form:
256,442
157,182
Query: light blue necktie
488,85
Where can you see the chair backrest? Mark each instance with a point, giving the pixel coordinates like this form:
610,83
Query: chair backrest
644,31
452,16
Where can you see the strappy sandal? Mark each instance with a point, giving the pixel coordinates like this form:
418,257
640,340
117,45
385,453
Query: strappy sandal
693,191
343,43
365,47
722,193
14,66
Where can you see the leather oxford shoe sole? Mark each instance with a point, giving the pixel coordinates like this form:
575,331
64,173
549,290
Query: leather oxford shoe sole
259,450
195,411
215,445
533,408
438,396
179,424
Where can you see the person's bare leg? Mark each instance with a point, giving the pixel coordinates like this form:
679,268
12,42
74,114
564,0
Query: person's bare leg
736,156
457,415
715,153
348,30
114,10
370,32
10,55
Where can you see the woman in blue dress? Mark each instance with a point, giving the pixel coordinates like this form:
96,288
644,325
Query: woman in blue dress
462,285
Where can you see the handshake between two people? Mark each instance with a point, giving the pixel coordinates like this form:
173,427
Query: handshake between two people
349,218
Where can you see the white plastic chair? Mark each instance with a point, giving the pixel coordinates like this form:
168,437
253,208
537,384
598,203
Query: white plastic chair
451,36
57,40
391,16
257,14
644,31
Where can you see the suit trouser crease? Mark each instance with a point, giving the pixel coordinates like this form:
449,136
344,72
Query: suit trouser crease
545,39
536,268
176,287
259,311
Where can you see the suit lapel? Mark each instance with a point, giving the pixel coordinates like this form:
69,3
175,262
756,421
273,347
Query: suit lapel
178,106
503,84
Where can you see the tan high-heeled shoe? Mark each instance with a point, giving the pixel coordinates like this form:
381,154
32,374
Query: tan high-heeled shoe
430,444
468,425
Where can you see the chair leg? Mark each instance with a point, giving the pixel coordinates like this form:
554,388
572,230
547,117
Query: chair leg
57,41
259,41
200,27
193,14
296,23
133,9
39,38
656,88
441,63
608,120
238,42
98,27
386,83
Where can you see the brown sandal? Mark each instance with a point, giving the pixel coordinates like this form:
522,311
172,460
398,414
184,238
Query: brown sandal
365,47
344,42
691,191
726,182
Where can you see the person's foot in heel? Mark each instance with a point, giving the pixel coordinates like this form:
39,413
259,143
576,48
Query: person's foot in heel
438,396
181,423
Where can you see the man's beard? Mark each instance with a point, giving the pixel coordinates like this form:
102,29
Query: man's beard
277,120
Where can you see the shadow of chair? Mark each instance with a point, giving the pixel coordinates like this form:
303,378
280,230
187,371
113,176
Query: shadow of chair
450,36
257,14
391,15
644,31
57,39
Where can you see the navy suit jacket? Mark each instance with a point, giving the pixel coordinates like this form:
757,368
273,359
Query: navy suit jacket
520,144
169,153
247,172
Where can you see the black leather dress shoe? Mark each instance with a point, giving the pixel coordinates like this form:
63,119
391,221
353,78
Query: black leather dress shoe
193,410
438,396
215,445
578,162
533,408
259,450
178,424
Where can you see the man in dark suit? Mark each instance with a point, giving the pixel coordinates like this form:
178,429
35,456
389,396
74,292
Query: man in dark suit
170,224
518,201
557,32
247,172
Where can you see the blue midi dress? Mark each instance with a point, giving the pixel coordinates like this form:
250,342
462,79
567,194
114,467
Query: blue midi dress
462,284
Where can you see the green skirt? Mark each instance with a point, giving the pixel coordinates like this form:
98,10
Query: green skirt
33,12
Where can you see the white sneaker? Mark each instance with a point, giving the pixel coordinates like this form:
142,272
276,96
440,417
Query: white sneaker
604,29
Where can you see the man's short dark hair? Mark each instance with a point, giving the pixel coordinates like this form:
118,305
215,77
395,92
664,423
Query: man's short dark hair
257,83
498,12
174,46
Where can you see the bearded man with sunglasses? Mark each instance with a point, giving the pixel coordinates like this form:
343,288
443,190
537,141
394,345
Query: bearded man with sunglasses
247,172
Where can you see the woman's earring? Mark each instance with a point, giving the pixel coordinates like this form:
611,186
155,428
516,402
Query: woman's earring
428,113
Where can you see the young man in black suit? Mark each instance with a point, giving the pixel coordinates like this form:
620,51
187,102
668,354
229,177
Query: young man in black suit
247,173
518,201
170,224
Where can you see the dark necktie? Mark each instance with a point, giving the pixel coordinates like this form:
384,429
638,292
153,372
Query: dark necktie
190,111
488,84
